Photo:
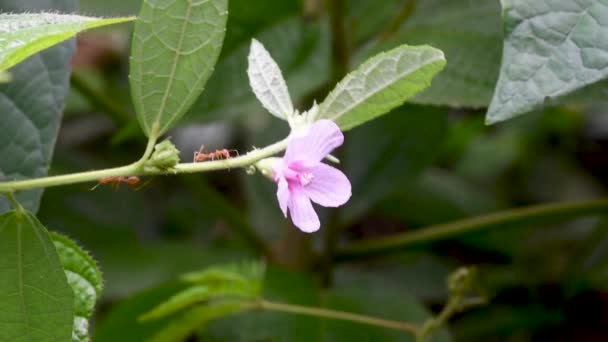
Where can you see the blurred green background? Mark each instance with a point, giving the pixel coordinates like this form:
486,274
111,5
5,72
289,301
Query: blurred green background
431,161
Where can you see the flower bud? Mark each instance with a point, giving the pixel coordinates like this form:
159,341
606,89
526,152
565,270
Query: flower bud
266,166
164,157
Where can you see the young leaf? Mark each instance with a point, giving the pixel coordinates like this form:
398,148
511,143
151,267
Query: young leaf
37,301
229,273
193,296
267,82
175,47
196,318
381,84
550,50
25,34
85,279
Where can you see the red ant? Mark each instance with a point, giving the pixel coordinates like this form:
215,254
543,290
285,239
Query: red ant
116,180
199,156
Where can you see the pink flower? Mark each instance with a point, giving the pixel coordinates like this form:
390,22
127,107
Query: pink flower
303,178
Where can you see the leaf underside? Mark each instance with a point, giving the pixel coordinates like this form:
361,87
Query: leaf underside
551,48
175,47
28,33
382,83
31,106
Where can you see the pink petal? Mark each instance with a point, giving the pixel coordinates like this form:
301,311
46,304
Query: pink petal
323,137
329,186
302,213
283,195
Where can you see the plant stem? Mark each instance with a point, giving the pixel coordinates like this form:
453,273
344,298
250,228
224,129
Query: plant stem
393,26
136,169
14,202
339,44
338,315
100,101
527,215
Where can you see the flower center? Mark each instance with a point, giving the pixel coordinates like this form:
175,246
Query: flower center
305,178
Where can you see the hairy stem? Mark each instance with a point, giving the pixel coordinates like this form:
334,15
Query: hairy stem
528,215
338,315
136,169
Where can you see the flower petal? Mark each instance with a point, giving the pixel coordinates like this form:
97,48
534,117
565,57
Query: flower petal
329,187
323,137
283,195
302,213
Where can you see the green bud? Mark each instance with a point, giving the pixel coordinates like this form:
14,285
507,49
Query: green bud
164,157
266,166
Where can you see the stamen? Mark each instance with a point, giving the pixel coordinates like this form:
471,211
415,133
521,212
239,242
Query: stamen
305,178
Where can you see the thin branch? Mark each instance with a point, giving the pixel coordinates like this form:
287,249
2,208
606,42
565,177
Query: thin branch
136,169
528,215
338,315
339,43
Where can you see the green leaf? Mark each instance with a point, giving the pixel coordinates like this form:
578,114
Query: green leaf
240,281
267,82
282,286
551,49
245,272
37,301
85,279
196,318
31,106
175,47
25,34
403,144
382,83
189,297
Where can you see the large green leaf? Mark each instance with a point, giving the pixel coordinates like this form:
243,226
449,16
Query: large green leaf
384,155
31,106
37,301
28,33
85,279
551,49
381,84
176,44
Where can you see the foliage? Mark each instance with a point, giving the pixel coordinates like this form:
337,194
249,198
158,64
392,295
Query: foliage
509,215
